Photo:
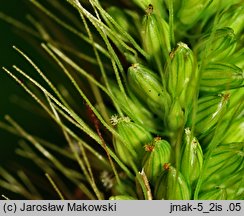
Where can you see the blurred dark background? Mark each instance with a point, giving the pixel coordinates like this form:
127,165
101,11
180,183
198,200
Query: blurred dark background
14,101
9,90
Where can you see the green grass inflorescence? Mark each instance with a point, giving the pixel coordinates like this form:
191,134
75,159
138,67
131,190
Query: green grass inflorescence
147,95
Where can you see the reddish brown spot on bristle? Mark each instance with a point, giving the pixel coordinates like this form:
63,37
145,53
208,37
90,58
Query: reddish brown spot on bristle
226,96
166,166
149,147
158,138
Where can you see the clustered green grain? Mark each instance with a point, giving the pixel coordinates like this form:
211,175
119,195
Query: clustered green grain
191,87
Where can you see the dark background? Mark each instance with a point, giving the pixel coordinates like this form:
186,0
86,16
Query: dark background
9,36
14,101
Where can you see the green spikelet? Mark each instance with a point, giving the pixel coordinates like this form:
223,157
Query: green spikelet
147,86
171,185
191,158
225,160
182,75
234,185
155,38
216,46
210,110
233,18
175,118
231,130
134,137
217,77
156,155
